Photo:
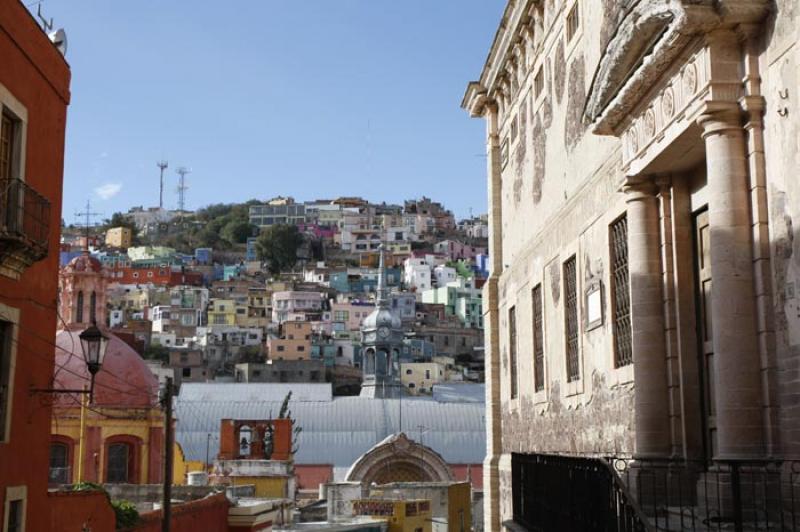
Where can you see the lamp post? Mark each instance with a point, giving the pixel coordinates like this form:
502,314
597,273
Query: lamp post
93,344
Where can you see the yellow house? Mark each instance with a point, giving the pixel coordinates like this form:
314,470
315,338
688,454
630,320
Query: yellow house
119,237
419,377
222,312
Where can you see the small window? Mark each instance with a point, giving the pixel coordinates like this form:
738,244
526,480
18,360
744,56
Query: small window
186,372
149,274
427,374
281,348
135,275
573,22
301,348
412,385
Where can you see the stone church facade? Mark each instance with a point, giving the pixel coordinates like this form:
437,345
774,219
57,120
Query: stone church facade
644,206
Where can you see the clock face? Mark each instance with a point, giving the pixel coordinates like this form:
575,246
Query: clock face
383,332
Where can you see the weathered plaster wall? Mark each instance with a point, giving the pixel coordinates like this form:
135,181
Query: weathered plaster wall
780,70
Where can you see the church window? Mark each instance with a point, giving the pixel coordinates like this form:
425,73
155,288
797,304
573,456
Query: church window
538,340
119,463
620,293
93,307
571,319
79,308
512,349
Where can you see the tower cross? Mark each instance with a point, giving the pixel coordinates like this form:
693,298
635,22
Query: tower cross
87,223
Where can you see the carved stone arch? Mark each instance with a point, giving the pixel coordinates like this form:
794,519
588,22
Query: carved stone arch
400,459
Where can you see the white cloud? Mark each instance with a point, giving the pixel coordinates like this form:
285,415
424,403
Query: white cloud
108,191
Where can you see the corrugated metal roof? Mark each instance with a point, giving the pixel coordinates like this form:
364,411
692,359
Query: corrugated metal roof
249,391
336,431
459,392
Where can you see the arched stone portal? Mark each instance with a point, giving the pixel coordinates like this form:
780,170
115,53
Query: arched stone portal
399,459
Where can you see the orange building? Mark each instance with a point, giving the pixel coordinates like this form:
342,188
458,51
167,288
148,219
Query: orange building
34,94
293,342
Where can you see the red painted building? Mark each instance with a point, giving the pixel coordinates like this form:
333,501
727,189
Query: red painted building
34,94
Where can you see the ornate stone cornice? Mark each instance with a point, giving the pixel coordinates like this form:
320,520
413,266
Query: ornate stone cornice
649,37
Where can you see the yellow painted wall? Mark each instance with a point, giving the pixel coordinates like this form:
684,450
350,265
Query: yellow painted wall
66,422
459,503
266,487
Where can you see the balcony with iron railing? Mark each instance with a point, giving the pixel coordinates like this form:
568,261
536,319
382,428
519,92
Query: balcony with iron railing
24,226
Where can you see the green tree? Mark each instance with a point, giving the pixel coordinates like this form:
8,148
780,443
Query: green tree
156,352
278,245
237,231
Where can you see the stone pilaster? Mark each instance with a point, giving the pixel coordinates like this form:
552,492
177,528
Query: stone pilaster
740,429
494,448
653,435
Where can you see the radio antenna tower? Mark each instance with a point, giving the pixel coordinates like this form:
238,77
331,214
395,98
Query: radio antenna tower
162,165
182,187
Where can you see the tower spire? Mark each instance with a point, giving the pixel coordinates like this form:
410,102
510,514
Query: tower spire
383,299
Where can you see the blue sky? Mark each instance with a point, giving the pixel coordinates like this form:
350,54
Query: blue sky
309,98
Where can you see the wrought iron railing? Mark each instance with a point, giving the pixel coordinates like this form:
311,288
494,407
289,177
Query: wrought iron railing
554,493
24,219
733,495
623,494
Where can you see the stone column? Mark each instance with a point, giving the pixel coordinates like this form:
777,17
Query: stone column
738,373
653,437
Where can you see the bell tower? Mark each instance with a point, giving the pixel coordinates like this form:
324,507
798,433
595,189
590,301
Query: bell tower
82,292
382,342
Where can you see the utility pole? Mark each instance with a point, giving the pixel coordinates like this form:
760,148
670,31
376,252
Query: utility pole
162,165
166,502
182,172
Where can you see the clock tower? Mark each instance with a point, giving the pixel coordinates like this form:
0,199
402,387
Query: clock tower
382,341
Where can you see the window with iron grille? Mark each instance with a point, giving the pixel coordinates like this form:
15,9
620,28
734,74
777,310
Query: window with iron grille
573,22
538,340
571,319
512,349
621,294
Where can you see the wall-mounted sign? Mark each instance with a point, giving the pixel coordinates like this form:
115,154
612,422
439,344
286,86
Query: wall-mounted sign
594,304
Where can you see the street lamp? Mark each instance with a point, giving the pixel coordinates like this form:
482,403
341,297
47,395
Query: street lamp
93,344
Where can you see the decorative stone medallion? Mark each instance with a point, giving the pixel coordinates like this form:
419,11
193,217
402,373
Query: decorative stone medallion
633,140
668,103
650,123
690,78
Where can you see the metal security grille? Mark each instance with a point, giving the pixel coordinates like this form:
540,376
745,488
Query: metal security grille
623,353
571,319
6,145
512,349
538,340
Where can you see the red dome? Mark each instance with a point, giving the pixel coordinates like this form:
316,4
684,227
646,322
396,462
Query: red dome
123,381
85,263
